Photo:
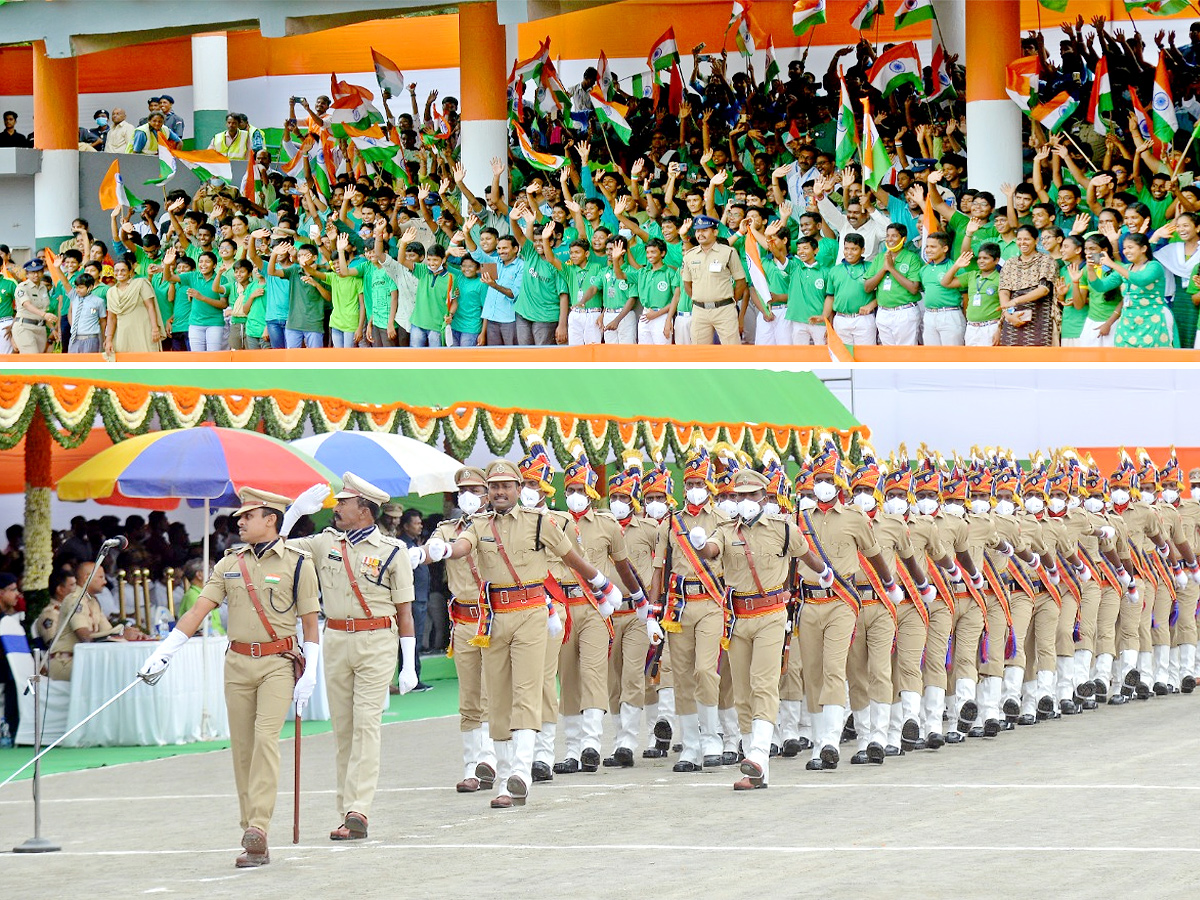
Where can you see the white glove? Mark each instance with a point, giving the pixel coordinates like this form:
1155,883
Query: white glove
416,556
553,625
1107,532
640,605
156,662
698,537
654,631
1194,572
1132,595
308,681
957,574
977,581
1164,551
894,593
310,501
612,600
927,592
1052,575
1181,581
825,579
1084,574
436,549
408,674
1123,577
1006,549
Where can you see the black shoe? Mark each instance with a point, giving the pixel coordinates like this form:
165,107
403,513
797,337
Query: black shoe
1045,707
1142,691
910,733
589,760
814,765
1090,703
859,758
541,772
1132,679
774,751
1188,685
682,766
791,748
713,761
935,740
920,744
677,748
829,756
654,753
1118,699
892,750
664,747
875,753
1101,692
848,731
622,758
966,715
662,730
729,758
1160,689
953,737
1085,690
1027,720
975,731
421,688
1012,709
1068,708
568,766
991,728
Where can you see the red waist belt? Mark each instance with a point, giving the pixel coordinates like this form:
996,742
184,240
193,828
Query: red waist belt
258,649
760,604
359,624
515,598
465,613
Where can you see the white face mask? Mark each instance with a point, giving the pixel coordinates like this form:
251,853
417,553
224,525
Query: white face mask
1093,505
954,509
469,503
620,509
1120,496
1147,497
578,503
896,506
697,496
770,508
1170,495
1195,492
825,491
980,507
1034,505
1072,502
1005,507
530,497
656,509
805,503
865,502
927,506
748,509
727,506
1057,504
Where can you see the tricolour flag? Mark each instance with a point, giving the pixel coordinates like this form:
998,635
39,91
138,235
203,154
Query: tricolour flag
613,113
758,277
383,154
875,161
898,66
388,74
351,115
547,162
847,134
807,14
553,85
1054,5
1021,81
739,21
1054,113
943,84
663,54
1101,100
339,89
605,78
530,69
205,163
913,11
1167,7
637,86
772,66
113,193
166,165
868,13
1140,116
1162,107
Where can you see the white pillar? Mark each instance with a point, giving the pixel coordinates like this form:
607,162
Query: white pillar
952,25
55,196
210,85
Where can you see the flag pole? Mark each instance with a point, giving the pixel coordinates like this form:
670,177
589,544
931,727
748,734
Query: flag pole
1183,154
1085,154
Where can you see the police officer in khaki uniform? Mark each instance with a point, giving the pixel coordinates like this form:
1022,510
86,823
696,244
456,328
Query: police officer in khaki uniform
367,592
1142,536
756,550
513,546
714,278
31,306
462,577
1184,635
88,623
658,491
268,587
795,723
1183,571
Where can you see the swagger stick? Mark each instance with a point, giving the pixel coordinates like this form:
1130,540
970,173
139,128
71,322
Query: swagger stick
296,786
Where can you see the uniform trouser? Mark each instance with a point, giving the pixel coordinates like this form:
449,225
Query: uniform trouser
550,662
1106,621
1089,615
666,681
653,331
981,334
805,333
856,330
1021,608
1160,632
911,635
513,670
944,327
968,629
695,651
1184,631
468,664
583,327
627,662
29,338
1042,639
1129,620
898,327
791,679
1064,635
258,694
825,633
683,328
869,660
997,639
1149,609
755,653
722,321
725,685
937,641
626,331
60,665
777,332
583,662
358,670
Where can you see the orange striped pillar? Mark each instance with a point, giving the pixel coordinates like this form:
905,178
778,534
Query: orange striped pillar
56,134
993,40
483,104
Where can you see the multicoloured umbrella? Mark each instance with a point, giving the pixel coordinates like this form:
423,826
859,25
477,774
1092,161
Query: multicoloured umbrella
392,462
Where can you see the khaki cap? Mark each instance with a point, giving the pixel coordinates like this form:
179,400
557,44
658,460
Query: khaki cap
747,481
470,476
392,509
353,486
502,470
1194,475
254,498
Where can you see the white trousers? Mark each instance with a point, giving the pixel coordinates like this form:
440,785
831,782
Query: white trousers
626,331
683,328
776,333
944,327
583,327
1091,336
653,331
898,327
856,330
982,335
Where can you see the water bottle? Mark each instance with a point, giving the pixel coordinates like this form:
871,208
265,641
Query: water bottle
162,623
6,740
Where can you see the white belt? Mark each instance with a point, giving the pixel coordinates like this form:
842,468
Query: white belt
983,324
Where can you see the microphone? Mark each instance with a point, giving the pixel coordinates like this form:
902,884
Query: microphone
120,542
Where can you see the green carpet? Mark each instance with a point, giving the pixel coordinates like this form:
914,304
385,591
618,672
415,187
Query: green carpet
441,701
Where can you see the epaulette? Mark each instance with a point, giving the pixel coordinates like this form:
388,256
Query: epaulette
391,541
604,513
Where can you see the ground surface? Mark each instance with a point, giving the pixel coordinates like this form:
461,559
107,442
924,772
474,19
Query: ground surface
1102,804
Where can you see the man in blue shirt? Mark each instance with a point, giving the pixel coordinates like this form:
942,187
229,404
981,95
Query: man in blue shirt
499,314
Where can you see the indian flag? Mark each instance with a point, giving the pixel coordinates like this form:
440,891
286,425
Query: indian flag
1139,114
205,163
553,84
754,268
847,135
875,161
1021,81
351,113
664,53
637,86
899,66
739,20
383,154
943,84
530,69
868,13
613,113
391,79
1055,5
166,165
1162,108
807,14
547,162
1054,113
1167,7
913,11
772,66
605,78
113,193
1101,100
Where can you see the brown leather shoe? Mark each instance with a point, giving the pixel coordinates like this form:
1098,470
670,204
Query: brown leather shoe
357,823
502,802
250,860
254,841
467,786
518,789
748,784
486,775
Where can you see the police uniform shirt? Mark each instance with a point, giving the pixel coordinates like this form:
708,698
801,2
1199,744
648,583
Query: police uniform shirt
709,275
89,616
380,565
272,574
773,542
459,578
923,533
641,535
598,537
891,533
35,293
528,551
709,518
843,533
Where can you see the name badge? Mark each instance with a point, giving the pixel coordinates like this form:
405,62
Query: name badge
335,556
716,266
233,574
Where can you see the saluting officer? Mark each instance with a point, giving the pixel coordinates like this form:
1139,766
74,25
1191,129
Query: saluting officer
268,586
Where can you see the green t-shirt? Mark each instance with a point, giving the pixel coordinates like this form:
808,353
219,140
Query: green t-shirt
240,293
201,314
614,291
1104,292
1158,208
377,292
891,293
433,297
804,285
845,284
468,318
656,287
256,319
1072,318
541,287
181,309
983,295
958,227
306,306
345,291
936,296
8,293
578,279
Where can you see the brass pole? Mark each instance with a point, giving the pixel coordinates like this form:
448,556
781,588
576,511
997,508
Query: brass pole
170,575
149,629
121,596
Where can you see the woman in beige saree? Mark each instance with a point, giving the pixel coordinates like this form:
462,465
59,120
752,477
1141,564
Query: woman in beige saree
133,325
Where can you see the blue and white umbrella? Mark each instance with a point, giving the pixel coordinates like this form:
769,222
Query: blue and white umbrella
397,464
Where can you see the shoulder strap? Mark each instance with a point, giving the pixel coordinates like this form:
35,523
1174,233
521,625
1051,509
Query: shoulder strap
296,579
354,581
253,592
787,537
462,526
503,553
537,534
750,561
